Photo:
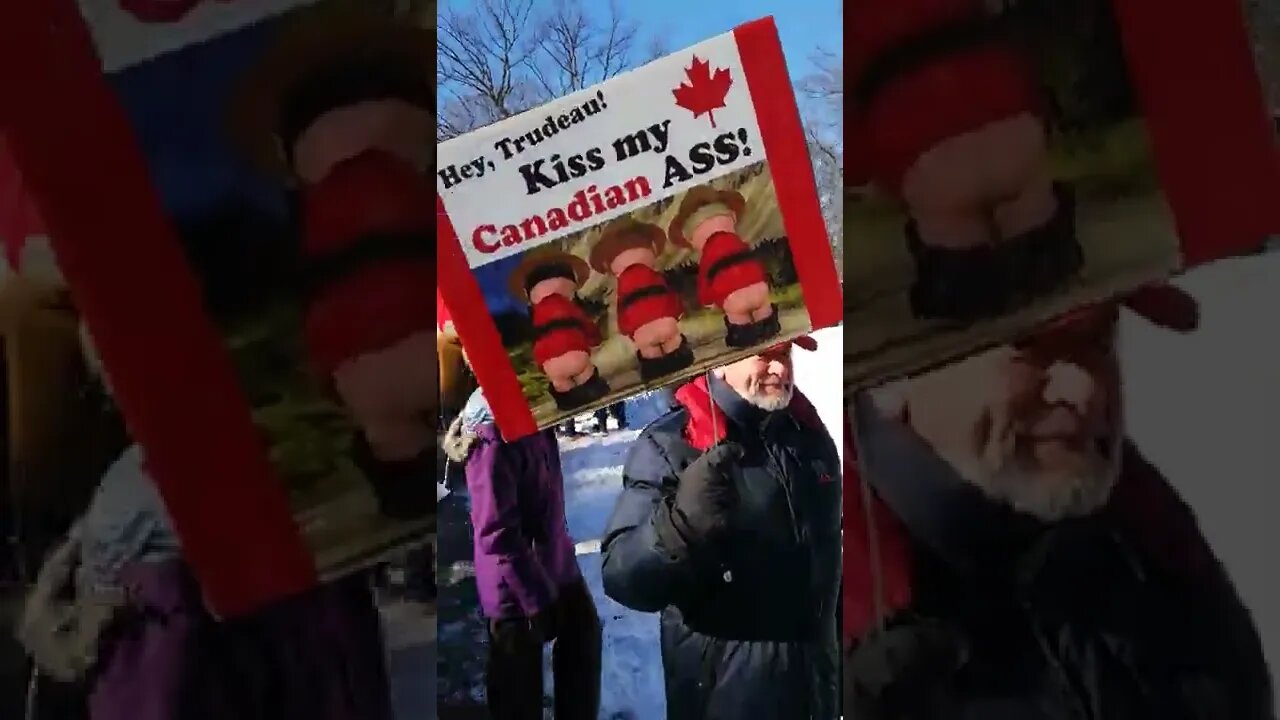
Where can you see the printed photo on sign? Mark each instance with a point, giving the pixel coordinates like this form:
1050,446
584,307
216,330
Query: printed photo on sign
628,236
298,187
647,298
1003,173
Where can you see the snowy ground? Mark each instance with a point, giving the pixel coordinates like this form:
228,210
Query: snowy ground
631,684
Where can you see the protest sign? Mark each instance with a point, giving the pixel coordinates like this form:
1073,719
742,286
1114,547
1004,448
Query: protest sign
227,263
635,233
1014,160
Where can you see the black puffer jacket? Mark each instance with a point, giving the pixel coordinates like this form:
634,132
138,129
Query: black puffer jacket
1125,615
749,627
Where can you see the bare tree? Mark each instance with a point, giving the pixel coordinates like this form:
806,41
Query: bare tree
497,58
822,108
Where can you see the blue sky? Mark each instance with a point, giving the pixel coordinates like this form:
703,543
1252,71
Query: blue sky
803,25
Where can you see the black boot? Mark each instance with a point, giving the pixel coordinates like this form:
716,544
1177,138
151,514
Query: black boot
754,333
403,487
979,283
584,394
653,368
961,285
1045,260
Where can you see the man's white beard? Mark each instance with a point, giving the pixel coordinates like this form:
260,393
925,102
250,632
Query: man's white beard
772,403
1078,492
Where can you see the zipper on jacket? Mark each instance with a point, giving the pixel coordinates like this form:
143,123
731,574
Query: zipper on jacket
785,481
1067,688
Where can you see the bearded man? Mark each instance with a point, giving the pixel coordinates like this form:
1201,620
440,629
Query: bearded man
1008,554
729,526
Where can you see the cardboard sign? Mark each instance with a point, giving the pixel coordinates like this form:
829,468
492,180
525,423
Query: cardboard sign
1011,161
171,222
635,233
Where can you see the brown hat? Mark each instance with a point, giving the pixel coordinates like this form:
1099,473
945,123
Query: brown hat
696,198
625,233
320,39
545,262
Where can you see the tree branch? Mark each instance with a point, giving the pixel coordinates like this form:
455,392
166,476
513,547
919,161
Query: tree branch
499,57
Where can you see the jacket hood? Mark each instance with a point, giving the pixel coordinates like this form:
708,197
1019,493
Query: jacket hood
476,412
461,434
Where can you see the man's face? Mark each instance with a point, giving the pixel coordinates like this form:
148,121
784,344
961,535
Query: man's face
1036,424
764,380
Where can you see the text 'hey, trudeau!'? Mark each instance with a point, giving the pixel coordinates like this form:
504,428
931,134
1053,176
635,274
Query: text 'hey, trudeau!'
549,172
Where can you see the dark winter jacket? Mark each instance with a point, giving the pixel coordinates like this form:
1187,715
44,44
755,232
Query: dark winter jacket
748,627
991,615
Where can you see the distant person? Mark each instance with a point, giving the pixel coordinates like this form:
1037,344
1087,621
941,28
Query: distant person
569,428
1021,560
615,411
618,411
531,589
729,526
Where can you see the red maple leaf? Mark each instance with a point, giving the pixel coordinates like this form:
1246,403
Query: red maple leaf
704,91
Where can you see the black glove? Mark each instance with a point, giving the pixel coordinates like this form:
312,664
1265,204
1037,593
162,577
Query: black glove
891,670
528,632
705,498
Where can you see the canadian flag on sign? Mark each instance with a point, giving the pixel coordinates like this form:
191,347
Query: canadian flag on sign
703,91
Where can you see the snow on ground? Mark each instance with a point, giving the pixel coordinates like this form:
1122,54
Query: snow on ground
631,684
410,638
1205,407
